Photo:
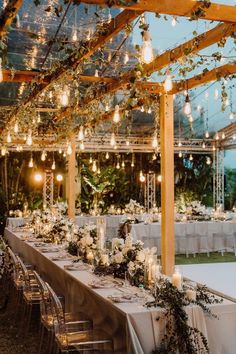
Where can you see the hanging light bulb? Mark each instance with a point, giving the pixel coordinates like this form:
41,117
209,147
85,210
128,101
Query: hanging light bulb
8,137
38,118
81,133
180,154
106,107
199,107
64,154
216,94
17,148
223,135
74,36
31,162
168,82
179,143
94,166
109,57
142,109
203,145
53,165
113,139
1,74
96,74
141,177
174,21
159,178
60,151
147,51
116,116
231,116
187,106
127,142
154,156
207,134
190,118
213,148
29,140
69,149
118,165
208,160
107,155
43,155
81,146
90,159
64,97
16,128
126,58
234,136
149,110
155,141
227,102
217,136
132,161
98,171
190,157
123,163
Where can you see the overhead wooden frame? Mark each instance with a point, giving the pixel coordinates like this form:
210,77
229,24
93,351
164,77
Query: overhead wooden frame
186,8
8,15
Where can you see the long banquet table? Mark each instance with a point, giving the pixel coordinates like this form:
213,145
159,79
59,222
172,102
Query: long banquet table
194,232
132,326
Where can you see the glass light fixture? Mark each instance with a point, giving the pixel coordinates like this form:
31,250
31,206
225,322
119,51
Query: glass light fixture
8,137
96,74
123,164
81,133
180,154
116,116
234,136
213,148
223,135
64,97
187,106
31,162
1,74
149,110
127,142
142,109
118,165
74,36
107,155
69,149
155,141
29,140
64,154
231,116
126,58
208,160
16,128
159,178
174,21
190,157
168,82
43,155
203,145
154,156
217,136
113,139
53,165
94,166
179,143
147,50
207,134
141,177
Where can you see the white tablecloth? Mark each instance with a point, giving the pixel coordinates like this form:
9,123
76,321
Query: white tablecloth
197,236
15,222
133,327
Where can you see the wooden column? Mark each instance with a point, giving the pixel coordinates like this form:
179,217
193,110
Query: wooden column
167,183
71,179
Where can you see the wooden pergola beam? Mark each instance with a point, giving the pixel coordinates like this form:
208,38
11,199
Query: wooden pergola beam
8,15
215,12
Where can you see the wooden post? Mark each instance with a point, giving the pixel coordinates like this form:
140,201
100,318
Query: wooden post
71,179
167,183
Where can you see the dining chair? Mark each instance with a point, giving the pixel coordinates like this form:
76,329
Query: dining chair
201,231
69,337
48,317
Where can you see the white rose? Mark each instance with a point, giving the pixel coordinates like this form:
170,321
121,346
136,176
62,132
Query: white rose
125,249
88,240
82,242
116,242
118,258
140,256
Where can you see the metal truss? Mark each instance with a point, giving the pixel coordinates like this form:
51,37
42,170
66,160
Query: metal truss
48,185
150,191
218,178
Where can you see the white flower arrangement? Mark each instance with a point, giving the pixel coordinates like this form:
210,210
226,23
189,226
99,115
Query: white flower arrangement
133,207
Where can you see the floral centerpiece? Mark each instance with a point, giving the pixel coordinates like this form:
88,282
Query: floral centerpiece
133,207
85,241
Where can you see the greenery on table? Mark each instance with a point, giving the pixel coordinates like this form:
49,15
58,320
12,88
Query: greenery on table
179,336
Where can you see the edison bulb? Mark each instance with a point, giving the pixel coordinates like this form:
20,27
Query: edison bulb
31,163
16,127
147,50
74,36
116,116
81,133
180,154
8,137
207,134
168,82
94,166
155,142
141,177
53,165
187,106
43,156
107,155
231,116
208,160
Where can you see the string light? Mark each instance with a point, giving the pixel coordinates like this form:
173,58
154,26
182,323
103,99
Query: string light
155,141
107,155
146,50
203,145
154,156
217,136
96,73
38,118
16,128
168,82
81,133
234,136
180,154
8,137
81,146
149,110
123,163
64,154
106,107
31,162
179,143
190,118
223,135
118,165
60,151
132,161
207,134
116,116
141,177
142,109
98,171
94,166
43,156
174,21
208,160
113,140
64,97
1,73
69,149
53,165
74,36
190,157
187,106
231,116
29,140
213,148
126,58
127,142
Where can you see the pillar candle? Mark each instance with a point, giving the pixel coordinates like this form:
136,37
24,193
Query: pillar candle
177,280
